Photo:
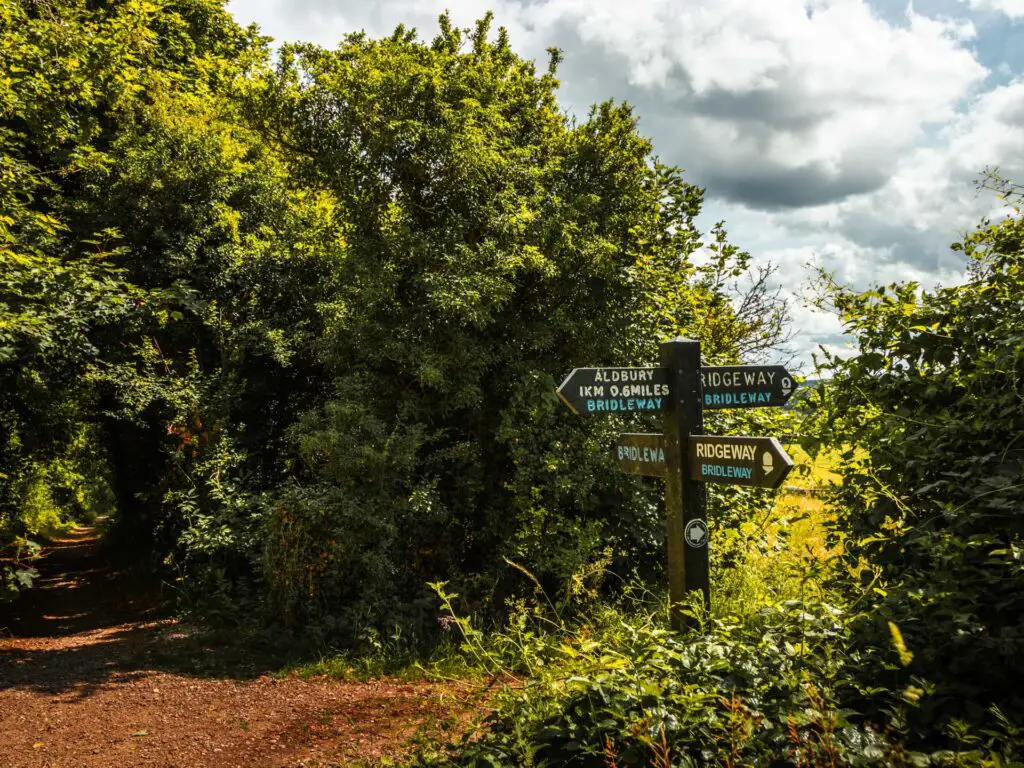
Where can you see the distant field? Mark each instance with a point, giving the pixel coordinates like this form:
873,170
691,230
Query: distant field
804,517
813,472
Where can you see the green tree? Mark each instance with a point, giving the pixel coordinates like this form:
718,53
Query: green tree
78,79
489,246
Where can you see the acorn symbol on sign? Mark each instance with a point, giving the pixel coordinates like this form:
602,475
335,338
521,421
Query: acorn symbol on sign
767,464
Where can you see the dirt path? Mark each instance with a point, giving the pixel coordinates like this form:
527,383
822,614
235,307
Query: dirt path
92,677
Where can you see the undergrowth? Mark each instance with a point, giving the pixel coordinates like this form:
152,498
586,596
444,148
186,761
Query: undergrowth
766,678
761,680
620,690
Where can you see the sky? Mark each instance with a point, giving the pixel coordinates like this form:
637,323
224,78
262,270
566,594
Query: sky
839,133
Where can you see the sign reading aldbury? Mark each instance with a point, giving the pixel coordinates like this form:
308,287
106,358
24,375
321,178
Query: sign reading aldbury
761,462
603,391
746,386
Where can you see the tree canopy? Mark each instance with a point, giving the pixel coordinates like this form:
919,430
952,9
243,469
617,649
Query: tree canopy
305,314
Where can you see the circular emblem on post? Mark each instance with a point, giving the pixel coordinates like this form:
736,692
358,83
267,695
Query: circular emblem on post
696,533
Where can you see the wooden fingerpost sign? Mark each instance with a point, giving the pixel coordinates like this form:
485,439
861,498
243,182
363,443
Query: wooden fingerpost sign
680,388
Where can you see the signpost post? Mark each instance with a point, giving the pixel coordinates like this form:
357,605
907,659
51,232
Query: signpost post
685,500
680,389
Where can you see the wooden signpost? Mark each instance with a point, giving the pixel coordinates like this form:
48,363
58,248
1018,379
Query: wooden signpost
639,454
680,389
760,462
605,391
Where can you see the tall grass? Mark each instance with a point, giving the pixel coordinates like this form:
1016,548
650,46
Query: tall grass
785,565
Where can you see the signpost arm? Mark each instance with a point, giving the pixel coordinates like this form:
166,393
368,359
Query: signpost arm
684,498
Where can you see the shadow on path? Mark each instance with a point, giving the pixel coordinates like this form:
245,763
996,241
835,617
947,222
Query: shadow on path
86,624
77,591
93,673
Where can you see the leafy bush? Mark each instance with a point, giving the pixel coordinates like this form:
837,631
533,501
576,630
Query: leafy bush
768,680
765,688
929,415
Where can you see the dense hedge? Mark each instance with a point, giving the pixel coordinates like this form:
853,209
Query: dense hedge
931,507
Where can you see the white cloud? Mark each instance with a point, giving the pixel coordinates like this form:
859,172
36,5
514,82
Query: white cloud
776,104
902,231
816,329
931,196
1012,8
